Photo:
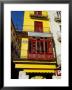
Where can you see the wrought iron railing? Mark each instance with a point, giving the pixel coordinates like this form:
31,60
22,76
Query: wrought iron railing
41,17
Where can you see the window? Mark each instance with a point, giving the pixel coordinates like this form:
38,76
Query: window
38,13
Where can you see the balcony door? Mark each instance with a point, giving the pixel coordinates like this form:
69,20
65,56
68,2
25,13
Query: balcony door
38,26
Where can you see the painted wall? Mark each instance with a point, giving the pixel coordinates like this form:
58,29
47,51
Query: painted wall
28,24
24,47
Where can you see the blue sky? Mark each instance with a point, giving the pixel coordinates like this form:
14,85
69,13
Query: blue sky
17,18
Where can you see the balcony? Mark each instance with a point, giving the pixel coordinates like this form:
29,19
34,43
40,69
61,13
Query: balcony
21,34
39,17
39,48
58,17
48,57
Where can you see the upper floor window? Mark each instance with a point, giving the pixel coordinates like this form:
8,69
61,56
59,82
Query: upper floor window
38,13
38,26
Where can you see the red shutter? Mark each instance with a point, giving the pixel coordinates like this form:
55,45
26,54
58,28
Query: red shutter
32,46
38,26
41,49
50,49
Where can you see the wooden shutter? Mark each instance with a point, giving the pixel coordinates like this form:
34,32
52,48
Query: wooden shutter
41,49
38,26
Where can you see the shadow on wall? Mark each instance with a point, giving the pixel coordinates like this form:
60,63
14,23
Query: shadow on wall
14,72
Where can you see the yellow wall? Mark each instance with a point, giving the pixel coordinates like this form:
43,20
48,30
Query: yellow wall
24,47
39,71
36,66
28,24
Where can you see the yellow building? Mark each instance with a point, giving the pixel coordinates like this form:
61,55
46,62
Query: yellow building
31,19
38,54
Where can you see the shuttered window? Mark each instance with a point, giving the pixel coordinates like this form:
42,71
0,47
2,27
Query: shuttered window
38,13
38,26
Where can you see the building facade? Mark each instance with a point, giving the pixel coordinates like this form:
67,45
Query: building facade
37,51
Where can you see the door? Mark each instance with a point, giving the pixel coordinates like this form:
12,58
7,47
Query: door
38,26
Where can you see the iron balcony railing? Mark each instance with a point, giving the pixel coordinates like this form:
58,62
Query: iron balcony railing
35,56
41,17
37,50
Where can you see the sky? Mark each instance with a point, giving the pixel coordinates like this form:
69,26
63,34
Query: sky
17,18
